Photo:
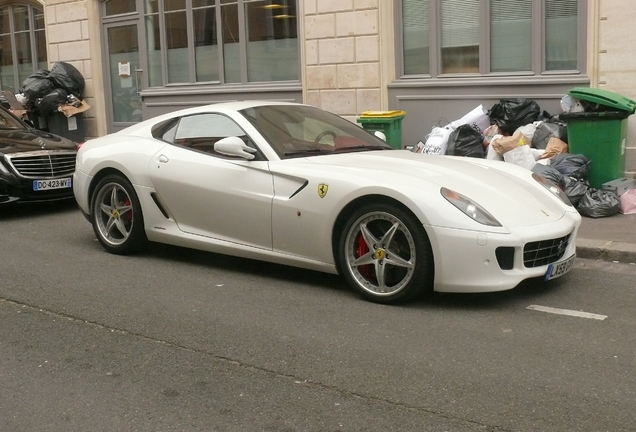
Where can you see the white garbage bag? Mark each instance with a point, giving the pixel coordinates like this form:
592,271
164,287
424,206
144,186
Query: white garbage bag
522,156
437,140
478,118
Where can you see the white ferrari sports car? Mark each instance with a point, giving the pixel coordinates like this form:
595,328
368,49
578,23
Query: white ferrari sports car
295,185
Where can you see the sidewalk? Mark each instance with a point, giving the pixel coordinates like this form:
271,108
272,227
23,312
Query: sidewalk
611,238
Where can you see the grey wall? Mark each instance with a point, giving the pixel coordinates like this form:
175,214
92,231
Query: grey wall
429,103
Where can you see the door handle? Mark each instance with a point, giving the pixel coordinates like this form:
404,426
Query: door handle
163,159
137,72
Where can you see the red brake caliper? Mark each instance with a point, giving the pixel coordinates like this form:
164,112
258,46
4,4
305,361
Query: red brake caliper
362,249
129,216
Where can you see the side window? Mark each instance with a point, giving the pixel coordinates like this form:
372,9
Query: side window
166,130
200,132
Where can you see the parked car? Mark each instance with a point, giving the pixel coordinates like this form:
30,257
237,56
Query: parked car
34,165
295,185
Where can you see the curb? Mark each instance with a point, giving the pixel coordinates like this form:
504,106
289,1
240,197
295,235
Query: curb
606,250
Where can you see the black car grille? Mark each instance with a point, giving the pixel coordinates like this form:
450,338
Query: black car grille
540,253
44,164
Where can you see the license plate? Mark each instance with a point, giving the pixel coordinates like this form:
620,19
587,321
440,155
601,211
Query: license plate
62,183
560,268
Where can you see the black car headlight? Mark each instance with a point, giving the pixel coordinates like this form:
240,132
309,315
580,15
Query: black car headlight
470,208
554,189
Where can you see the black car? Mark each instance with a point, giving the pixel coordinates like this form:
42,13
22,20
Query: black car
34,165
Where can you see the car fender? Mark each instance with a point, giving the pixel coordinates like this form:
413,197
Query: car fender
316,201
132,157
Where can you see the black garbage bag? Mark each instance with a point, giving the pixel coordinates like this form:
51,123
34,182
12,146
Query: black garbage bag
66,76
597,203
510,114
466,141
571,165
51,101
550,174
36,86
548,129
575,189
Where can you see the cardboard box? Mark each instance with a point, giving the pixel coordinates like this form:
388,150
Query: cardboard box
620,185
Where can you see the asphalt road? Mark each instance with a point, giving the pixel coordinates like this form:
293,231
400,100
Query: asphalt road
178,340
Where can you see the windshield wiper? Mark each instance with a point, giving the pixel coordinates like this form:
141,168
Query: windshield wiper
307,152
362,148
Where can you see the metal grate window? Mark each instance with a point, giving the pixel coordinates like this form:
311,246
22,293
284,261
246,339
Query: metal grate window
540,253
45,164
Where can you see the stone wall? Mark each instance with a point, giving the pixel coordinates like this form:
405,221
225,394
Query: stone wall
342,72
70,27
612,57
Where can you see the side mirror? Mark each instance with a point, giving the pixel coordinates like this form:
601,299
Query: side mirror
234,146
380,135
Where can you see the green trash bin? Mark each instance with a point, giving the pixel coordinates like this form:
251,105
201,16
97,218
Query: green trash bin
387,122
600,134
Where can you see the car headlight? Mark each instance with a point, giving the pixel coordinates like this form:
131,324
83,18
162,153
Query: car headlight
556,191
470,208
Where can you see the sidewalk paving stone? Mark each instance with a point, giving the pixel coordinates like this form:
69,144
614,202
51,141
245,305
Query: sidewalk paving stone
610,239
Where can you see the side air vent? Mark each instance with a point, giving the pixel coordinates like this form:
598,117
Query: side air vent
160,206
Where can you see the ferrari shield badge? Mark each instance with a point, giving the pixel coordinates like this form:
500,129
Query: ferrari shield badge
322,190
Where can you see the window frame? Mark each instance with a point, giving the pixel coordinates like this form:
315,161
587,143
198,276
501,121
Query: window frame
538,45
31,9
218,8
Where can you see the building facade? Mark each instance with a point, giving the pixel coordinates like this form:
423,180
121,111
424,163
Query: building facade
434,59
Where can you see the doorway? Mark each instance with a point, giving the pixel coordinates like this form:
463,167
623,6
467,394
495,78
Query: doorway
123,74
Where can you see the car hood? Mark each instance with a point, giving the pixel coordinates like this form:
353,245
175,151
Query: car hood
22,140
505,190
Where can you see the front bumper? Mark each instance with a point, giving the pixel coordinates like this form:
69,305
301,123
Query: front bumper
81,184
17,190
466,261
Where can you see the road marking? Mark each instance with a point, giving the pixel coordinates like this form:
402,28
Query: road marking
567,312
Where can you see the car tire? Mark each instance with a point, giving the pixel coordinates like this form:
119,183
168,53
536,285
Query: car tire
385,254
116,216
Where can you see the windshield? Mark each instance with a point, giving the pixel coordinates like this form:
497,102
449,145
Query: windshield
298,131
7,121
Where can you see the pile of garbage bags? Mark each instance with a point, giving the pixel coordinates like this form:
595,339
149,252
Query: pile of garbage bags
46,91
518,131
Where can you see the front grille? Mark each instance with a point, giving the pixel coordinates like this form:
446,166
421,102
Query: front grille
540,253
44,164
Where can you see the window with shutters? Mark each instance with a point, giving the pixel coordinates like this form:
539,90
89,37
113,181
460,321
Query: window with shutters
416,30
459,36
491,37
560,34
